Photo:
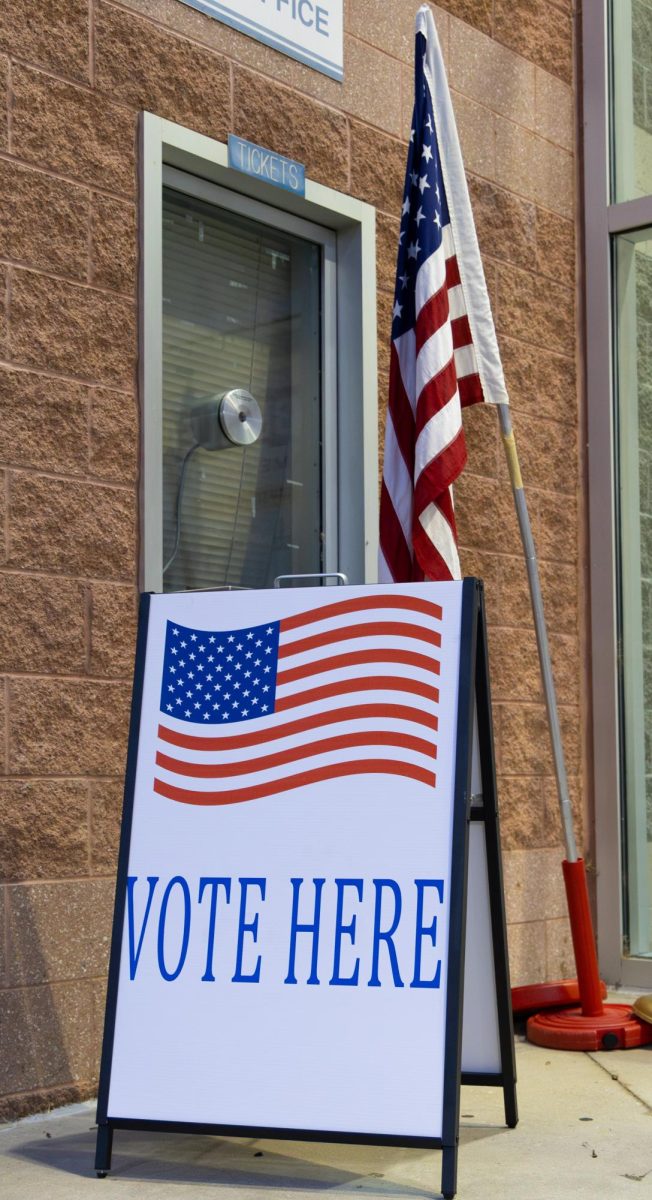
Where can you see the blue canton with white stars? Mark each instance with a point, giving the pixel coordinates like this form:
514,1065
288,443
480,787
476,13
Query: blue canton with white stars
219,677
425,211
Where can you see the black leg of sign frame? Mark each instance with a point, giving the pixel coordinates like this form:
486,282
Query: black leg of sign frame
103,1148
495,873
104,1127
459,872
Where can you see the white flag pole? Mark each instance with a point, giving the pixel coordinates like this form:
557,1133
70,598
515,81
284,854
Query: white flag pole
490,370
541,632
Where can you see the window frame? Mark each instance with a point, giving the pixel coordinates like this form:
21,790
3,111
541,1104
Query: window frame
346,229
603,221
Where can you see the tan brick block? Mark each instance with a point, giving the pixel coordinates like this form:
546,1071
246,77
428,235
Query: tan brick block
73,131
547,452
39,1100
382,188
45,1036
50,635
554,110
560,959
106,815
539,381
515,671
534,887
371,89
540,34
482,440
4,324
44,422
506,226
45,221
525,739
556,527
3,947
472,12
4,85
521,807
72,329
514,665
58,931
385,304
475,125
524,743
193,89
535,310
76,528
387,231
290,124
560,589
115,435
113,244
555,252
485,71
44,829
533,167
98,1012
113,629
45,1100
48,34
67,727
485,515
390,27
527,952
3,725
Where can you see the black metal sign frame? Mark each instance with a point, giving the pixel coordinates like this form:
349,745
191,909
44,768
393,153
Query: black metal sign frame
473,697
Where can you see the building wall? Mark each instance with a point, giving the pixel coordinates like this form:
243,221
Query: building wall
76,73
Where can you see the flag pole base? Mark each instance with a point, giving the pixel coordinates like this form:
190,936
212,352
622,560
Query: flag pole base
560,993
615,1028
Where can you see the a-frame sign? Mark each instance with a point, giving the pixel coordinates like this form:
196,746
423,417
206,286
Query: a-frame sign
309,898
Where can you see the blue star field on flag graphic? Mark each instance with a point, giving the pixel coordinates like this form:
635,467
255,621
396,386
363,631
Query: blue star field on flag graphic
219,677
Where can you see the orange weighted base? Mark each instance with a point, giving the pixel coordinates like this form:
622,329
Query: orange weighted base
560,994
615,1028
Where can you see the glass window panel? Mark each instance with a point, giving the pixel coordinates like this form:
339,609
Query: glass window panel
634,413
631,56
241,309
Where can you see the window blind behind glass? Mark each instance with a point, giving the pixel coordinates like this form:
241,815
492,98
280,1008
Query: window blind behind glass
228,321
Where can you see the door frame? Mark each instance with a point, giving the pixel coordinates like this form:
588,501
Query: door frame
345,228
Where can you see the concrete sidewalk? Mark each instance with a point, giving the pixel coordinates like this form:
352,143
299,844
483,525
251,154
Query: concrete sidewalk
585,1131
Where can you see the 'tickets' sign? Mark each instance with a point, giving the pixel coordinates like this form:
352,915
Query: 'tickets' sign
308,30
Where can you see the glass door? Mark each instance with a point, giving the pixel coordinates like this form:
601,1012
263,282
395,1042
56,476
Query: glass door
634,422
244,312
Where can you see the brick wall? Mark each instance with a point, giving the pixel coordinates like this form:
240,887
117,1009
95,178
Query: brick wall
75,74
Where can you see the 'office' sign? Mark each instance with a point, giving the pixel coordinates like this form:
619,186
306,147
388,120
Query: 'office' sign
308,30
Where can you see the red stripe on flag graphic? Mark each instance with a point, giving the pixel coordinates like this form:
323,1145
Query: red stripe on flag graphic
338,711
258,791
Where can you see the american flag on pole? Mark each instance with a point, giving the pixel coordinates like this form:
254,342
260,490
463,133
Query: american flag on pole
444,352
347,688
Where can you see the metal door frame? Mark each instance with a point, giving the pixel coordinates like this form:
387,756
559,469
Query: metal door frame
345,229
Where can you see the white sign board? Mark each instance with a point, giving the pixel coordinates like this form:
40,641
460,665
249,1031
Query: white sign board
289,935
308,30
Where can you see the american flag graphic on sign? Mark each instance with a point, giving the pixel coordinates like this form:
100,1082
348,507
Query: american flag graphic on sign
444,354
345,689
